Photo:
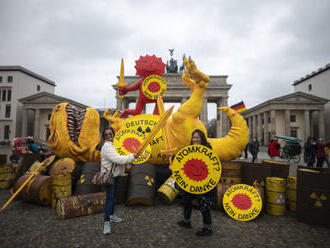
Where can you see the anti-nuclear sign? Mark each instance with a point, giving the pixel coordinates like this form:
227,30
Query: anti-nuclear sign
196,169
127,141
242,202
154,86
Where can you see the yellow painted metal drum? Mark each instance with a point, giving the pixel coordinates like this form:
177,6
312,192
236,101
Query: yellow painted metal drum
61,187
291,193
6,173
275,194
167,192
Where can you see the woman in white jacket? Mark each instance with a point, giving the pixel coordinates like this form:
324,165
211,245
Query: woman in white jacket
110,160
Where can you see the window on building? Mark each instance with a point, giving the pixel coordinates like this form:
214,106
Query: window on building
7,114
9,95
309,87
268,119
9,79
7,132
262,121
0,79
292,118
4,94
49,115
293,133
38,87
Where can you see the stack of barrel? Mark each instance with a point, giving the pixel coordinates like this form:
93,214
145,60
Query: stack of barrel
313,196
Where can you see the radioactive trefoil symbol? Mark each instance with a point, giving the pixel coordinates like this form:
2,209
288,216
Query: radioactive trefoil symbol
280,199
150,180
318,199
82,179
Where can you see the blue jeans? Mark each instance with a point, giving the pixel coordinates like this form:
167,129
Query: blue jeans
109,205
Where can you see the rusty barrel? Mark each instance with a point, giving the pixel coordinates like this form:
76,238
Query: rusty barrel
291,193
84,184
62,166
61,187
278,168
141,189
121,192
80,205
6,175
221,190
231,172
167,192
313,196
255,172
38,190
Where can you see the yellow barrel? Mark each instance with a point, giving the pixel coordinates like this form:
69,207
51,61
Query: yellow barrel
291,193
167,192
6,173
61,187
275,194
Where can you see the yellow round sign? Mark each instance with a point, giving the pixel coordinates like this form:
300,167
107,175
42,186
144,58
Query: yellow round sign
242,202
196,169
128,141
153,86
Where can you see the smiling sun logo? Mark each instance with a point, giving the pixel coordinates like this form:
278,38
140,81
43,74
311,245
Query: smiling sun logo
196,169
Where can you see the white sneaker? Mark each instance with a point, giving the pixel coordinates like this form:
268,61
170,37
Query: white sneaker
107,228
115,218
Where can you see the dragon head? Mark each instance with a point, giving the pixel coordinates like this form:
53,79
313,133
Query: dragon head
149,65
74,133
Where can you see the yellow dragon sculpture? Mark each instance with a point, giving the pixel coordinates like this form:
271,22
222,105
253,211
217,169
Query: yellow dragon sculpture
75,134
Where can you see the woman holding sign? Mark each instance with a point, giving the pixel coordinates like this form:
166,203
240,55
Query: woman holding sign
111,161
198,138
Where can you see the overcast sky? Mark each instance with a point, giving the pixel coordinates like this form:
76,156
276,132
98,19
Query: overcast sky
263,46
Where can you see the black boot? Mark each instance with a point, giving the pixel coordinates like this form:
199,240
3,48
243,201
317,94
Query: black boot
205,232
185,224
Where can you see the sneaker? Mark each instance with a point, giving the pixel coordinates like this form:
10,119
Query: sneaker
115,218
106,228
184,224
204,232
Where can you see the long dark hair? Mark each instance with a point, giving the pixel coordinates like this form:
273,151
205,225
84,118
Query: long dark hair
203,138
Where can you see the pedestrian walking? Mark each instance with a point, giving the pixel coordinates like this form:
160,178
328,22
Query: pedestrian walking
309,151
320,152
254,149
274,149
326,149
198,138
111,161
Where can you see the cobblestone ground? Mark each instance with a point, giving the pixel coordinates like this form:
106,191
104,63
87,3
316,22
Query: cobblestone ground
27,225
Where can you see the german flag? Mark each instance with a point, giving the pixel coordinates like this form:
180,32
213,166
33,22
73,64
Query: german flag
239,107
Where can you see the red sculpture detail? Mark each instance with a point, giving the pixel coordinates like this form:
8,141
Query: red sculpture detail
145,66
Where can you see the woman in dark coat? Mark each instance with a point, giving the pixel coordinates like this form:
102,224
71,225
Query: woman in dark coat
309,151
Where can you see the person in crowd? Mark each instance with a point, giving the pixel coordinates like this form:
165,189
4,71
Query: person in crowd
246,151
111,161
254,149
274,149
198,138
326,149
32,146
320,152
309,151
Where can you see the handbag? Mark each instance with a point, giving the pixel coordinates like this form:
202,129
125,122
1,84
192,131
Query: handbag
104,177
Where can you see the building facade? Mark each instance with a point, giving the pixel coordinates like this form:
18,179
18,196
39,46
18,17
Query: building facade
317,83
17,82
290,115
178,92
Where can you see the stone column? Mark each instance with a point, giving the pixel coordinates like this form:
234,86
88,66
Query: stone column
272,122
254,126
224,119
203,114
119,104
266,129
311,123
259,129
307,125
250,128
36,130
321,124
24,122
287,122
